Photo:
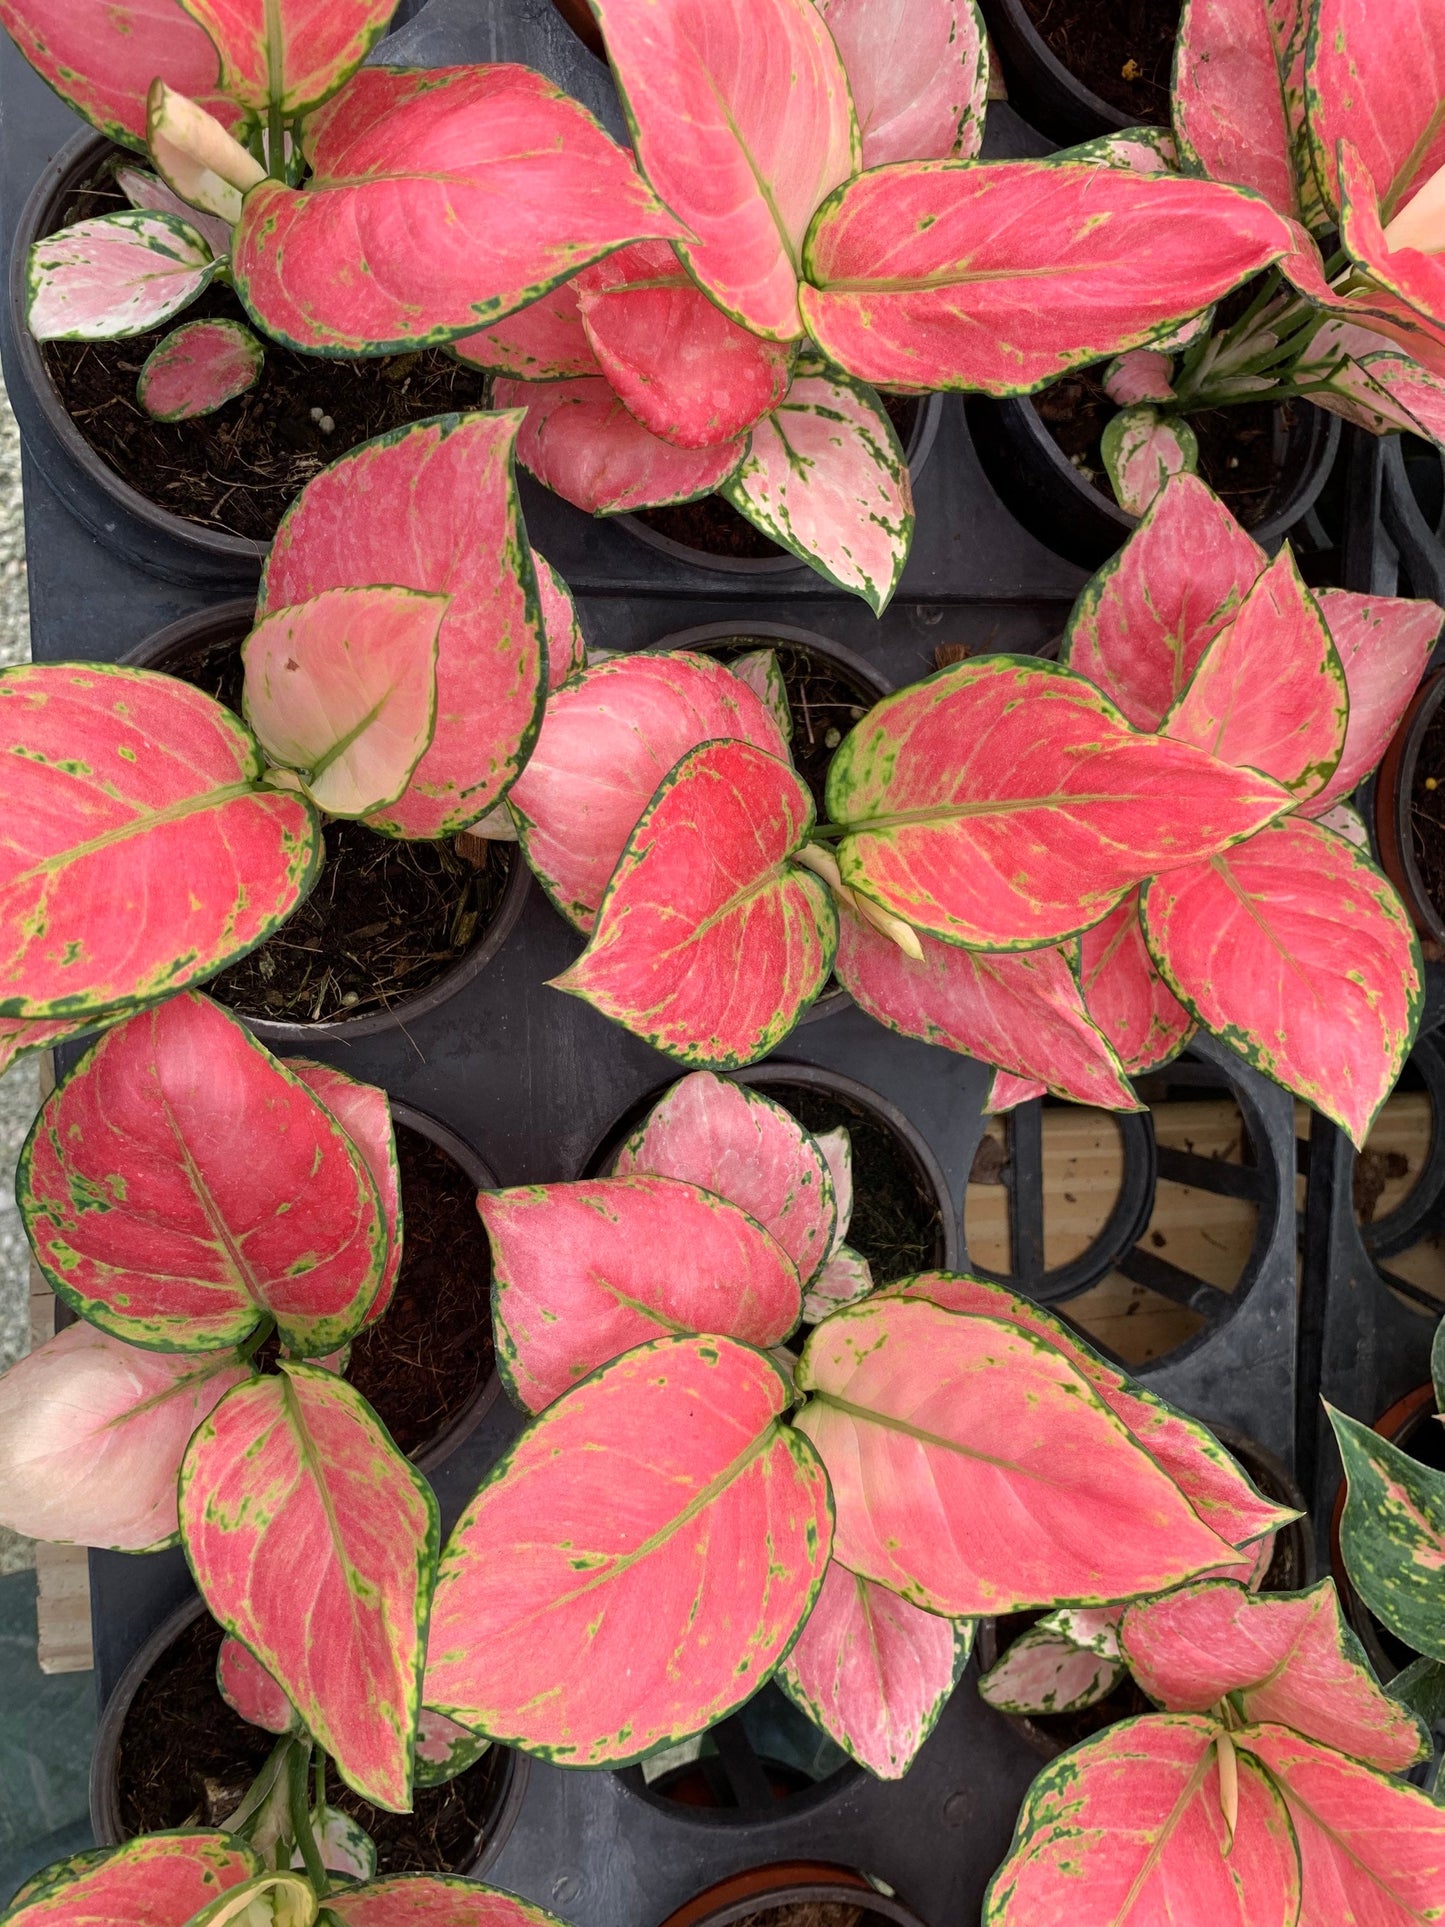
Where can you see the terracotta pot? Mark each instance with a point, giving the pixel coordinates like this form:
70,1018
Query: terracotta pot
792,1882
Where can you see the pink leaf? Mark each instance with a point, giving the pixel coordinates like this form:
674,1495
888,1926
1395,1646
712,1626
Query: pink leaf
586,1609
1000,277
21,1035
735,1141
1139,150
289,54
873,1671
342,690
327,1582
91,1437
922,1416
1415,278
103,58
1043,1672
434,508
364,1113
1232,115
1004,803
586,1271
248,1689
1376,78
1125,994
145,1220
743,124
566,650
607,742
825,476
146,190
1384,643
686,371
1296,949
1141,626
545,341
197,369
1269,692
844,1279
160,1880
136,853
120,274
837,1148
410,168
1286,1658
758,668
1130,1825
585,445
919,76
433,1900
1007,1092
1024,1012
1143,374
1141,450
710,943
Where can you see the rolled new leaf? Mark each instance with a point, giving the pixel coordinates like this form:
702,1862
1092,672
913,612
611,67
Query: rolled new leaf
117,275
918,74
197,369
196,157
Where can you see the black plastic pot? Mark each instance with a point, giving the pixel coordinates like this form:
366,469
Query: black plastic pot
1037,481
1040,86
793,1884
1394,788
230,621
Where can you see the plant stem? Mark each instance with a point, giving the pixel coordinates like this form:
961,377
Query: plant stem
301,1826
275,140
253,1344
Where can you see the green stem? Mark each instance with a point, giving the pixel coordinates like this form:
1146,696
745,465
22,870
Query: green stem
253,1344
318,1792
301,1826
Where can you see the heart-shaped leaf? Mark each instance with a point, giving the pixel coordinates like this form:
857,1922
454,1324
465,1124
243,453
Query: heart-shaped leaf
444,1749
1239,110
825,476
285,56
197,369
91,1437
327,1583
545,341
922,1416
918,73
743,123
584,1272
146,190
160,1880
143,1218
584,1608
431,157
710,943
433,1900
606,744
248,1689
1044,1672
1143,374
729,1139
844,1279
120,274
1297,951
1000,277
1376,78
433,507
1126,996
1392,1535
137,854
1384,643
1141,450
364,1113
1005,803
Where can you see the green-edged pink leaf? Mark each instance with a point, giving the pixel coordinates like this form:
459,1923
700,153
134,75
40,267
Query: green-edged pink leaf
409,170
197,369
1233,117
545,341
1288,1658
91,1437
146,190
1002,276
683,368
314,1542
825,476
743,123
1142,624
737,1142
433,1900
1007,1092
566,649
758,668
119,274
1295,949
583,442
433,507
444,1749
918,73
710,943
1384,391
1141,150
102,58
584,1272
137,853
345,1846
1005,803
1094,1627
1393,1535
1216,1487
144,1218
288,55
248,1689
873,1671
1384,643
1126,996
923,1418
1437,1365
1371,1851
1129,1827
364,1113
637,1564
844,1279
1143,374
1141,449
837,1148
1269,692
1376,78
1414,277
21,1035
160,1880
1043,1672
607,742
341,692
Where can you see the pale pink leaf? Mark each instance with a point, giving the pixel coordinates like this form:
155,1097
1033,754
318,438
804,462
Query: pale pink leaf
759,670
146,190
844,1279
566,650
1141,450
364,1113
837,1148
1143,374
116,275
1043,1672
444,1749
919,74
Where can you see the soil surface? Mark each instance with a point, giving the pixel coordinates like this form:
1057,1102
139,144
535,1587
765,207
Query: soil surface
1427,811
1238,447
824,700
807,1913
239,468
1122,51
425,1357
386,918
186,1760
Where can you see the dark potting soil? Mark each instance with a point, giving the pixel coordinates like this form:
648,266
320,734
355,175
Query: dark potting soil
186,1759
239,468
824,701
425,1357
806,1913
715,526
1427,811
386,918
1238,447
1122,51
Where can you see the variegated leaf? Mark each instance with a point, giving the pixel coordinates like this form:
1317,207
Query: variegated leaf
444,1749
1043,1672
146,190
844,1279
197,369
918,73
160,1880
1141,449
1126,996
119,274
248,1689
1392,1535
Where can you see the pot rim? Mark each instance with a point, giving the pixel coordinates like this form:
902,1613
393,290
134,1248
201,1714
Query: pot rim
734,1898
1394,789
1009,20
